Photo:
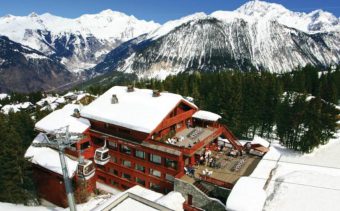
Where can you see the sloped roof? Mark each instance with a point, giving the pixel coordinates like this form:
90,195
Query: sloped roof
49,158
137,110
61,118
206,115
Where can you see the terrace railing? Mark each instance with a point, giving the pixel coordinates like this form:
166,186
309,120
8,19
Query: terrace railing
216,181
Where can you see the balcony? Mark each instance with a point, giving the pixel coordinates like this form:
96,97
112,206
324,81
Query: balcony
190,140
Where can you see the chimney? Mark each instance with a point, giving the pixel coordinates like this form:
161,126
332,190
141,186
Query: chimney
130,88
114,99
76,113
156,93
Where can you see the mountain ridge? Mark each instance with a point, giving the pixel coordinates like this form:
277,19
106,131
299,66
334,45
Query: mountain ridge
224,40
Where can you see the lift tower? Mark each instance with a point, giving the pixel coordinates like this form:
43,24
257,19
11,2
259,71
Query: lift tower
59,140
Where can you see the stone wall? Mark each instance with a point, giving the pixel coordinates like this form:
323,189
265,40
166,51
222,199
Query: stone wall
199,199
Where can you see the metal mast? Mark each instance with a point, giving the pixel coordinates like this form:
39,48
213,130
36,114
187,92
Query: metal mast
62,140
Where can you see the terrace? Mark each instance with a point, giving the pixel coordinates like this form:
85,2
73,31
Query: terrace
226,169
189,137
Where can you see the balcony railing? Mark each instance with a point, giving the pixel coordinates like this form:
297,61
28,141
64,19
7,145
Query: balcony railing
216,181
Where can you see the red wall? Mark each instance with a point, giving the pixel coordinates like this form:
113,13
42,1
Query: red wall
50,186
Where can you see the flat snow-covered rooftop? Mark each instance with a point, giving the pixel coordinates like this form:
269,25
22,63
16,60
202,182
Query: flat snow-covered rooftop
171,201
61,118
49,158
302,181
247,195
137,110
206,115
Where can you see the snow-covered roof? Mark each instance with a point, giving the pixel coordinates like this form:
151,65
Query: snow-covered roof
247,195
61,118
3,96
301,181
48,100
49,158
260,141
172,201
137,110
15,107
206,115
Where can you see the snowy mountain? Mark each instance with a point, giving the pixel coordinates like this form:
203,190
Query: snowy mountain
256,36
78,43
24,69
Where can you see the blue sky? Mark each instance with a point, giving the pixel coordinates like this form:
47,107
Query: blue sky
157,10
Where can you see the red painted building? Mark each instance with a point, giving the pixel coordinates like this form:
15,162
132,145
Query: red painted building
134,136
150,136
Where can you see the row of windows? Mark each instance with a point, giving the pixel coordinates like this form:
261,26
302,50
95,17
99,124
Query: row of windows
153,172
142,155
138,167
141,182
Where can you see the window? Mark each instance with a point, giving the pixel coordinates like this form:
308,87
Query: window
125,187
171,163
114,171
155,187
125,149
126,163
98,141
140,168
101,178
112,145
169,177
121,130
73,147
85,145
101,167
114,183
140,154
155,173
126,176
140,181
155,159
113,159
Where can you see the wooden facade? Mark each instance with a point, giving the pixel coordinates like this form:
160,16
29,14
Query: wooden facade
145,159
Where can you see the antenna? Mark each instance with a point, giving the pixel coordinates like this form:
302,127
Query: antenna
62,140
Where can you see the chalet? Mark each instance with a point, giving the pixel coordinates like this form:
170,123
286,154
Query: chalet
157,140
47,169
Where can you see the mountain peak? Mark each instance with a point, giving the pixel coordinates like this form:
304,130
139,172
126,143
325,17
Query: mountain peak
109,12
261,8
33,15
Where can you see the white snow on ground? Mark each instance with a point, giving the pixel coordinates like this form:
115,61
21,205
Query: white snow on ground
206,115
61,118
127,112
300,181
49,158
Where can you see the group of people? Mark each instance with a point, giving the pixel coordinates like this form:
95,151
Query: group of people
207,159
175,140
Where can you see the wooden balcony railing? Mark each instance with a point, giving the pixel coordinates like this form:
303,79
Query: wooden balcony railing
216,181
178,118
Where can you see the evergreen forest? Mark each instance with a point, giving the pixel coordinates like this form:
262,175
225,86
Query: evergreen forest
297,108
